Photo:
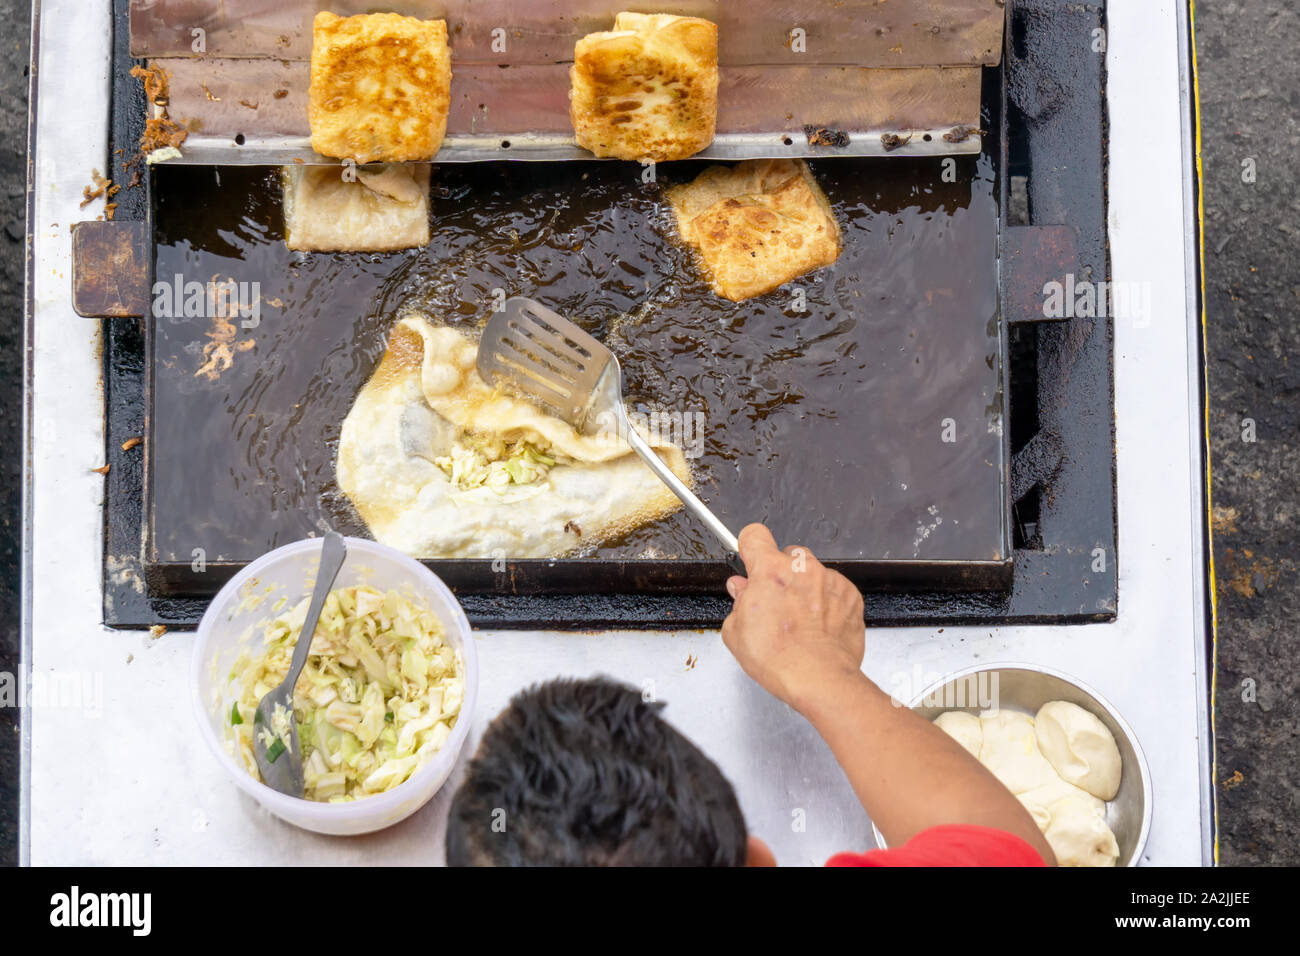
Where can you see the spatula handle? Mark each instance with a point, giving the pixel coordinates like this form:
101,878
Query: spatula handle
693,504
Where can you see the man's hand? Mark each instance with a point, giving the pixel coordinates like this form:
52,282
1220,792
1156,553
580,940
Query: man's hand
797,630
796,625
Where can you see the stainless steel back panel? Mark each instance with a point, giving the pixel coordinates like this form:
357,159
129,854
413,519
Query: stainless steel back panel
897,78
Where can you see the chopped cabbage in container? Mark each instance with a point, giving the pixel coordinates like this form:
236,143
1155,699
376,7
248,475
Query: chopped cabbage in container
379,695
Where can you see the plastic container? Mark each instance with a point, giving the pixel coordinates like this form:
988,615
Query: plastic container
290,571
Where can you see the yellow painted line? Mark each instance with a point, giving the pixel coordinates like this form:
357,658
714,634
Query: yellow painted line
1209,487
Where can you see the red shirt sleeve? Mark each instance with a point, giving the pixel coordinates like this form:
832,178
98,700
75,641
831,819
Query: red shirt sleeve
950,845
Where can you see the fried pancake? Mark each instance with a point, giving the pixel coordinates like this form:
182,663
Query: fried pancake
380,211
380,87
424,399
648,89
756,225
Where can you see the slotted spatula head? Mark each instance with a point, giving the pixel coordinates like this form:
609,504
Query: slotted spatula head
549,359
552,361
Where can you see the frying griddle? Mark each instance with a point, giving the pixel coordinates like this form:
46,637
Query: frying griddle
857,410
1060,479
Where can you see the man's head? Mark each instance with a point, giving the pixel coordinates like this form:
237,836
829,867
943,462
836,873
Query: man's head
586,773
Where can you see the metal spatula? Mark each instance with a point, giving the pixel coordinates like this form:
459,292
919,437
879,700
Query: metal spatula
561,367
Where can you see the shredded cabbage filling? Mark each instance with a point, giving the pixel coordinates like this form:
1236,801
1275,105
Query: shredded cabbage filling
477,462
379,695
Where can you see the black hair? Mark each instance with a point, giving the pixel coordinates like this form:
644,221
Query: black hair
586,773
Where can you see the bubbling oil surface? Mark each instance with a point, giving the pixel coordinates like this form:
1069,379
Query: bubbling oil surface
856,410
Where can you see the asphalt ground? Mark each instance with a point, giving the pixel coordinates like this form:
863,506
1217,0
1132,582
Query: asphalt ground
1250,120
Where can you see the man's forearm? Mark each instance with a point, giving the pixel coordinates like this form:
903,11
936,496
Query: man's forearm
909,774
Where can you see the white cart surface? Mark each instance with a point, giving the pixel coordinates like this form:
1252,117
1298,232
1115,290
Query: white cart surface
115,773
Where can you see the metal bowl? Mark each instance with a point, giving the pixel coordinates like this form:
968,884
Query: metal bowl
1025,688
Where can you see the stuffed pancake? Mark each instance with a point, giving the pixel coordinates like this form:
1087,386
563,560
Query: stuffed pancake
441,465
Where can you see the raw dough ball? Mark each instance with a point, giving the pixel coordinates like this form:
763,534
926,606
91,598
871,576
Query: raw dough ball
1010,751
1080,747
1038,800
1078,833
963,728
